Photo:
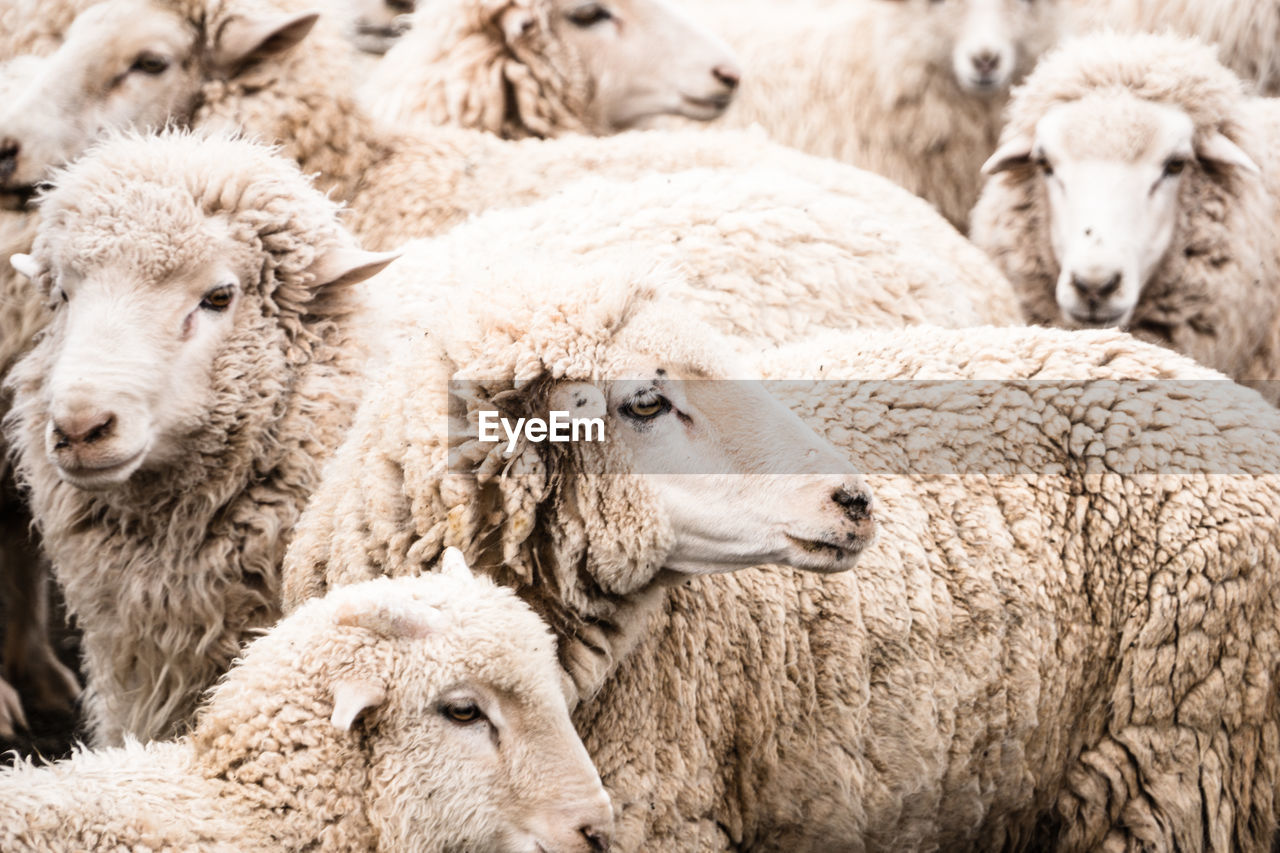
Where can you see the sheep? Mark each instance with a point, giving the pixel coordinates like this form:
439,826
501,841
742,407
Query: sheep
413,714
398,187
541,68
1247,34
912,89
1136,186
202,358
376,25
1065,631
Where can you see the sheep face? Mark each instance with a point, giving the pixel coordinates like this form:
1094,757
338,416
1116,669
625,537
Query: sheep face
989,44
376,24
124,64
642,58
472,745
1115,170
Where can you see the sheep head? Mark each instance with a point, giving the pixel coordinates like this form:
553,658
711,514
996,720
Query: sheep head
187,279
129,64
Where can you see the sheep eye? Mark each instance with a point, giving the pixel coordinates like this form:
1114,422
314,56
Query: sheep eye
463,712
150,63
1045,167
588,15
1174,166
218,299
401,6
646,408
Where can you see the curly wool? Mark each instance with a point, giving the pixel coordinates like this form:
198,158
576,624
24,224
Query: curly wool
456,66
203,538
1066,584
1210,296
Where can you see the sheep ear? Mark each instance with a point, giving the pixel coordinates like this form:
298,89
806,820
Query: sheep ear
26,265
343,265
246,39
351,698
393,619
454,564
1218,149
579,399
516,23
1015,152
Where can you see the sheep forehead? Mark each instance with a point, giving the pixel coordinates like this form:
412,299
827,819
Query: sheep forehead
1116,127
128,22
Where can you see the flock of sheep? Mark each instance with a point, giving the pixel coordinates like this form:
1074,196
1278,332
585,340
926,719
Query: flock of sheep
985,556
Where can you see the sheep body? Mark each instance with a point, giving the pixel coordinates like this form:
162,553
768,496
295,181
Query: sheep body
272,765
1012,654
1209,297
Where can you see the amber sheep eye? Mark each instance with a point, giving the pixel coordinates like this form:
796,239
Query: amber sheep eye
218,299
150,63
646,407
1174,166
463,712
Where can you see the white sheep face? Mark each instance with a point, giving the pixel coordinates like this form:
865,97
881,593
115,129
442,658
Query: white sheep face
989,44
131,348
123,64
740,479
1113,168
646,58
376,24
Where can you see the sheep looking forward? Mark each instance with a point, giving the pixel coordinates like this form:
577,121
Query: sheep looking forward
543,68
417,714
1247,34
201,361
1136,186
1080,632
398,187
912,89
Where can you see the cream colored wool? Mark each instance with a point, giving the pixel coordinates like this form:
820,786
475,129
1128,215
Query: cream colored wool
871,83
266,769
1247,34
1072,646
1213,296
168,573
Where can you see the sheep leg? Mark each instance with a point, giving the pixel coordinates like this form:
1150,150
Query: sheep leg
29,660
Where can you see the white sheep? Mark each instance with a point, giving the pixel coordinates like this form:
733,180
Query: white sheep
1136,186
1247,34
543,68
398,187
912,89
417,714
1066,632
202,358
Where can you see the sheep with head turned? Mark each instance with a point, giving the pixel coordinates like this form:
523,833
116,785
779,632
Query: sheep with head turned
1136,186
543,68
415,714
1073,583
202,357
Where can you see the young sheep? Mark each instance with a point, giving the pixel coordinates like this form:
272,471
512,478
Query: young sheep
913,89
1247,34
542,68
1074,645
419,714
398,187
202,359
1136,186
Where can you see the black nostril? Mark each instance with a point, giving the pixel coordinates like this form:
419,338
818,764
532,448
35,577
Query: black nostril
101,431
856,505
1096,289
1110,286
598,839
727,75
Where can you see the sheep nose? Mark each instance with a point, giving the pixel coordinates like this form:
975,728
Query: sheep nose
985,62
855,503
8,158
728,75
597,839
83,428
1096,287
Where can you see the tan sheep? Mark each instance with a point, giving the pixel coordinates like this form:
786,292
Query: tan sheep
420,714
1066,633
